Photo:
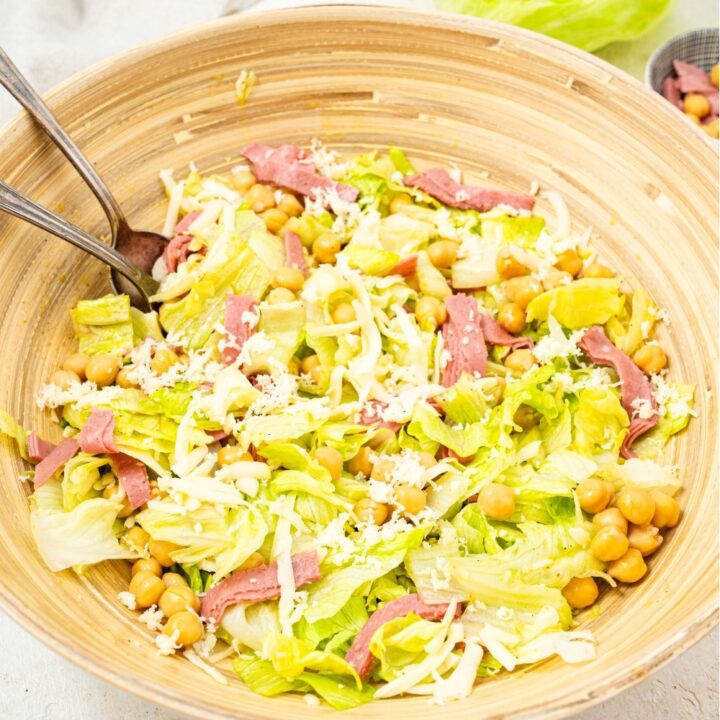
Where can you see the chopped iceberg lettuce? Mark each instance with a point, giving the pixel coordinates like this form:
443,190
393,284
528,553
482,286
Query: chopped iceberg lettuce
104,326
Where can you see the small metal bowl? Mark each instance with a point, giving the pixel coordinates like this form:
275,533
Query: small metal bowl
699,47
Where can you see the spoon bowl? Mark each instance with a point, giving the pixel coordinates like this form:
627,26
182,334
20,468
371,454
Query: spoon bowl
133,253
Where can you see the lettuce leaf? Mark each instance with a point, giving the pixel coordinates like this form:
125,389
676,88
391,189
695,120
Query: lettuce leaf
84,536
675,414
261,677
370,260
464,402
104,326
221,539
401,642
284,326
587,24
474,531
600,421
145,325
328,595
431,280
335,633
250,624
521,230
584,302
629,336
230,266
15,431
79,475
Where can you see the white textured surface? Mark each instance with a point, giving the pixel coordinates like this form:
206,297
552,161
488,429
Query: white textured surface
51,40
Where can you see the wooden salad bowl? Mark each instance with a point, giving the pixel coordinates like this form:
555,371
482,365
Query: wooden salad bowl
491,98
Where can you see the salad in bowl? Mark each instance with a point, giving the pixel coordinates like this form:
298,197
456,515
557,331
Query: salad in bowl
387,432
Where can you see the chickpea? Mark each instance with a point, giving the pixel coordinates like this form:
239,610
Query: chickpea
609,544
629,568
290,205
122,380
381,438
261,198
497,501
289,278
280,296
362,463
430,312
77,362
650,359
254,561
443,253
65,379
714,75
309,363
102,369
519,360
331,460
525,417
611,517
512,317
697,104
382,469
163,359
172,579
137,537
178,598
645,538
147,589
294,366
412,499
522,290
693,118
593,495
161,549
243,180
311,366
581,592
230,454
114,493
344,313
636,505
150,565
325,248
569,261
399,201
556,278
508,266
712,129
596,270
185,627
369,511
427,460
667,510
274,220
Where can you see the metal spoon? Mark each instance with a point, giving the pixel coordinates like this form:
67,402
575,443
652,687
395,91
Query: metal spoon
132,253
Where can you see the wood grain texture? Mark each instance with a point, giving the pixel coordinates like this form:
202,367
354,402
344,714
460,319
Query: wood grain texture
447,89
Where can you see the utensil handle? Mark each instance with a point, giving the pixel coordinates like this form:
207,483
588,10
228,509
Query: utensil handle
21,206
23,92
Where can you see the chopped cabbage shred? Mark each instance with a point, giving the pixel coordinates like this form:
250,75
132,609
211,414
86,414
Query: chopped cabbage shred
539,433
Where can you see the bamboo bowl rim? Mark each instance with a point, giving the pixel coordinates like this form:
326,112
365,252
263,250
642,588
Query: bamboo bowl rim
657,655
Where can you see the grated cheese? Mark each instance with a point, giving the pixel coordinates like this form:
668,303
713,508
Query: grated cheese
167,644
127,599
214,673
152,617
